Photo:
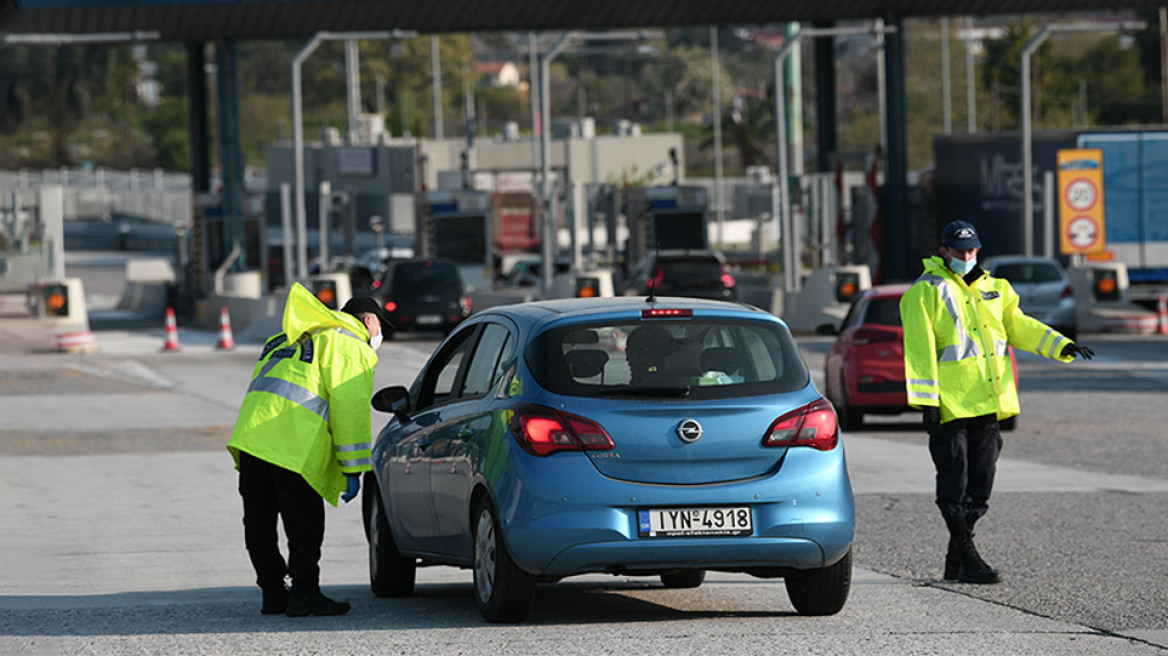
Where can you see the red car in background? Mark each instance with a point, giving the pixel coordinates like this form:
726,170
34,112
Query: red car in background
864,370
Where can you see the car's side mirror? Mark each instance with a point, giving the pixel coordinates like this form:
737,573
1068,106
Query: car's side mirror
826,329
395,400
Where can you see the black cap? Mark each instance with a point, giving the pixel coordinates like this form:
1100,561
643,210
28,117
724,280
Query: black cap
960,235
359,305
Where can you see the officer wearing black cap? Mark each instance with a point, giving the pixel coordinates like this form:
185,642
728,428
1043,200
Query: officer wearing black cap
959,323
303,437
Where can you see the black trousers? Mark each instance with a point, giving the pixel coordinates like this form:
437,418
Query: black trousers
269,492
965,453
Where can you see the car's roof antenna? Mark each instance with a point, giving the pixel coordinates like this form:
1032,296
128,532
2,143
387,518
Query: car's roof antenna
653,277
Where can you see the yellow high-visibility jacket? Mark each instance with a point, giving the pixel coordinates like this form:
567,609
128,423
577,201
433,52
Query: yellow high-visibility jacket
955,339
307,408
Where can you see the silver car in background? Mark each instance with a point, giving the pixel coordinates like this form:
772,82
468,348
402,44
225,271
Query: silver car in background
1044,290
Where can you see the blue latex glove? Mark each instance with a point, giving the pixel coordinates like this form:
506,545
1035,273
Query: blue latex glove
353,481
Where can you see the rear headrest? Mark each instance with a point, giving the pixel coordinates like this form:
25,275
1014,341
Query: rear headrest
585,363
726,360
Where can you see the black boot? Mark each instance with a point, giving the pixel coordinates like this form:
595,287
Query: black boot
275,600
971,568
952,561
303,604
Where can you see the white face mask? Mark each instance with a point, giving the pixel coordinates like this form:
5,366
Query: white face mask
962,267
375,341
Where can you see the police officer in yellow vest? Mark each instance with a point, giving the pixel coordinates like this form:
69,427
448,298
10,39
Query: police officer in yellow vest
958,322
303,437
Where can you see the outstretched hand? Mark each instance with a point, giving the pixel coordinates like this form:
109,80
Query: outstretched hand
353,483
1084,352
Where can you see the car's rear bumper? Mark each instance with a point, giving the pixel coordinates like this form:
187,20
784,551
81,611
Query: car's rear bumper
803,518
863,399
688,553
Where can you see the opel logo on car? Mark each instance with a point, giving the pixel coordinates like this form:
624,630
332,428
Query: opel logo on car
689,430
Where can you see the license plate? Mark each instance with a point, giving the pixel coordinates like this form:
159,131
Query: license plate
429,319
677,522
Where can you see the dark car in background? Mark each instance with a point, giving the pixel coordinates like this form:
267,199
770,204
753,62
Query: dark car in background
864,370
689,273
423,294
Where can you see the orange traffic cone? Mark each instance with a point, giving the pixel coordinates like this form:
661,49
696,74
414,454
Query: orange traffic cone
226,341
1162,311
171,343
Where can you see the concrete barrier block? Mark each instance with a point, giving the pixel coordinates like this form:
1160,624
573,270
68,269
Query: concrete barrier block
154,269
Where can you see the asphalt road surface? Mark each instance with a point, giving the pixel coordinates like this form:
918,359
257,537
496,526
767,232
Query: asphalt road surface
122,532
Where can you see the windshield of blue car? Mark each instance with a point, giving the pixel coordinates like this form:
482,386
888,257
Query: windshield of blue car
693,359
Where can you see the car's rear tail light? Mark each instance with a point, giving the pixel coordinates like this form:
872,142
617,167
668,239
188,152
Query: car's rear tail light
542,431
1068,291
728,280
390,306
813,425
864,336
467,304
658,277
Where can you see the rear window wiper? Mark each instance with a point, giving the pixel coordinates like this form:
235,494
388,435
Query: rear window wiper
661,391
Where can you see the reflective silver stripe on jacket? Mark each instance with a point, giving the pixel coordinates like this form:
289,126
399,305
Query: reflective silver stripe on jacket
349,448
929,394
1056,342
965,346
306,398
291,392
921,396
349,333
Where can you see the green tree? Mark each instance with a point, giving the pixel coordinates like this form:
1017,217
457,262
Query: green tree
748,129
686,73
165,127
1001,74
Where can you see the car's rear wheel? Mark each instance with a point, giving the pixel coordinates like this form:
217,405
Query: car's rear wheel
504,592
821,591
689,578
390,573
850,417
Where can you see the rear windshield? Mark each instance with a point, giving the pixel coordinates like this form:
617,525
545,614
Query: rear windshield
700,358
883,311
1028,273
692,268
415,279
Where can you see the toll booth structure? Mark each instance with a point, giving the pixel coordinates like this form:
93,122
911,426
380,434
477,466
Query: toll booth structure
456,226
661,218
514,223
32,238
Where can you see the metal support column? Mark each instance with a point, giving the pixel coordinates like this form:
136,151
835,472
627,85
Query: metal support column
893,255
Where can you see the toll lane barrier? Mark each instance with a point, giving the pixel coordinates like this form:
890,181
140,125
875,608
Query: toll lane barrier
62,307
826,297
1103,300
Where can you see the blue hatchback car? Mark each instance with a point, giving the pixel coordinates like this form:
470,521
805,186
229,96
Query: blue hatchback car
631,436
